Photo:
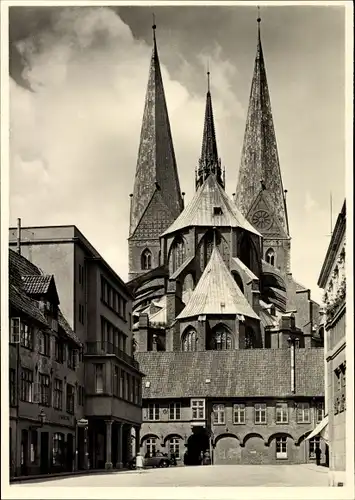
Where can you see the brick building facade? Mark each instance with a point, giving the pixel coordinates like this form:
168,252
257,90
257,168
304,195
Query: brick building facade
333,280
226,336
98,307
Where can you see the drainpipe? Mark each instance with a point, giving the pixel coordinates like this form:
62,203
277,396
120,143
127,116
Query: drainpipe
18,244
292,352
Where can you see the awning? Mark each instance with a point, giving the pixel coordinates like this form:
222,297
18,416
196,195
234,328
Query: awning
321,430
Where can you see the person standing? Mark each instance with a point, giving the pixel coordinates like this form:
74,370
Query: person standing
139,462
318,454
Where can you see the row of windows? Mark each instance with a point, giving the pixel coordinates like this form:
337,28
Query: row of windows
125,385
221,339
303,412
58,447
113,299
112,335
43,391
63,351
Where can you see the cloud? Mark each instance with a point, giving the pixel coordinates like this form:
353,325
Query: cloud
74,139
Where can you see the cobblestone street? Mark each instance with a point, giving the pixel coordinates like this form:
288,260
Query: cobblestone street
238,475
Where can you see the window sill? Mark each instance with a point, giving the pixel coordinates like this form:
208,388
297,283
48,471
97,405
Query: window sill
303,423
260,423
218,424
282,423
238,423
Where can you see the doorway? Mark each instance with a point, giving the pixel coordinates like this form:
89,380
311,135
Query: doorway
44,457
70,453
197,444
24,452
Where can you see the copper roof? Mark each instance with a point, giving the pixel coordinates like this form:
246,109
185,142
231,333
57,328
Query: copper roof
236,373
217,292
200,210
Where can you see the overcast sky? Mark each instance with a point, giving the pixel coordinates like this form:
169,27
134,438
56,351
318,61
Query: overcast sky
78,82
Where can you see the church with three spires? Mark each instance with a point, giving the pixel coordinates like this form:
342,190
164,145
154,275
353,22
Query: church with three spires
226,337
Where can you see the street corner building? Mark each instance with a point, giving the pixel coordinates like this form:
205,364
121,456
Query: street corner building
227,338
75,387
333,280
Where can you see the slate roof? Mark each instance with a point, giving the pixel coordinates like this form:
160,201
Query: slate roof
36,285
215,287
200,210
239,373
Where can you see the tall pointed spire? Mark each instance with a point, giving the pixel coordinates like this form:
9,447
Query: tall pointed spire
260,169
156,165
209,162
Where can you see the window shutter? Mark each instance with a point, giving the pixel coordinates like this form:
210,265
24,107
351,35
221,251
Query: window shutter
15,331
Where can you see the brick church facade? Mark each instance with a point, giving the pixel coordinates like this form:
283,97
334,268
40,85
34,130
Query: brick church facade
227,338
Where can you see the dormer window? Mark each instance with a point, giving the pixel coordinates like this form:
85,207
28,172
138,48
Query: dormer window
217,211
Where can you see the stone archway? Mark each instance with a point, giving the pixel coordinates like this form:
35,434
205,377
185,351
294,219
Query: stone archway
254,451
227,450
197,444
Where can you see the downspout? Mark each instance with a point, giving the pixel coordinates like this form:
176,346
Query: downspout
18,243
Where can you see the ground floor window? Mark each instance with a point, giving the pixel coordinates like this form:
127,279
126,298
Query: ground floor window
174,447
151,446
281,447
58,448
313,444
33,449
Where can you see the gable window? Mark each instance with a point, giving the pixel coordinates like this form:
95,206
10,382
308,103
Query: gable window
303,413
58,394
281,413
26,336
151,446
217,211
219,414
189,340
198,409
319,412
174,447
221,339
153,411
314,443
146,260
260,413
174,411
44,392
44,343
70,398
270,257
27,385
281,447
239,413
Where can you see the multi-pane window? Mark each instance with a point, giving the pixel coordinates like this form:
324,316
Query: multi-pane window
153,411
112,299
126,387
99,378
81,275
58,448
281,447
116,381
174,411
319,412
281,413
34,445
26,336
221,340
73,357
249,339
58,394
27,385
314,443
219,414
59,350
137,391
122,384
44,389
239,413
260,413
146,260
198,409
12,387
70,398
189,341
44,343
174,447
303,413
151,446
15,330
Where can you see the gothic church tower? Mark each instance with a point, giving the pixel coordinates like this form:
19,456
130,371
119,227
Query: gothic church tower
259,195
156,200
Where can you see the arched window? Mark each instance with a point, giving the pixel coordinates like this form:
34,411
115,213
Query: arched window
221,339
249,338
146,260
270,256
178,253
238,280
189,340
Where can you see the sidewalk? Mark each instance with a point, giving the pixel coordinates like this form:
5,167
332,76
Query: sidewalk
316,468
42,477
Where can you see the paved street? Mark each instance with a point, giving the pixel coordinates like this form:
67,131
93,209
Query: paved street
237,475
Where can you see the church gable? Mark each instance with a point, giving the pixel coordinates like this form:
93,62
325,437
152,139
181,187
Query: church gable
156,219
263,217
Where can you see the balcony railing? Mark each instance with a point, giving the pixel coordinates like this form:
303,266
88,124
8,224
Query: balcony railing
103,348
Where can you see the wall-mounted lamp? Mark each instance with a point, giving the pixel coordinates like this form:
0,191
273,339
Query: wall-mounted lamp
42,417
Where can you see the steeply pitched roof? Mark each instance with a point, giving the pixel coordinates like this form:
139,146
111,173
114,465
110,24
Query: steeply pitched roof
237,373
156,164
217,293
260,160
200,210
209,161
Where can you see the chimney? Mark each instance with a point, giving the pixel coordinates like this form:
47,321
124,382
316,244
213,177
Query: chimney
18,246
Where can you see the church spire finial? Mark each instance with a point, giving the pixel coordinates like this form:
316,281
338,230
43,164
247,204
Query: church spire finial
258,21
208,76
